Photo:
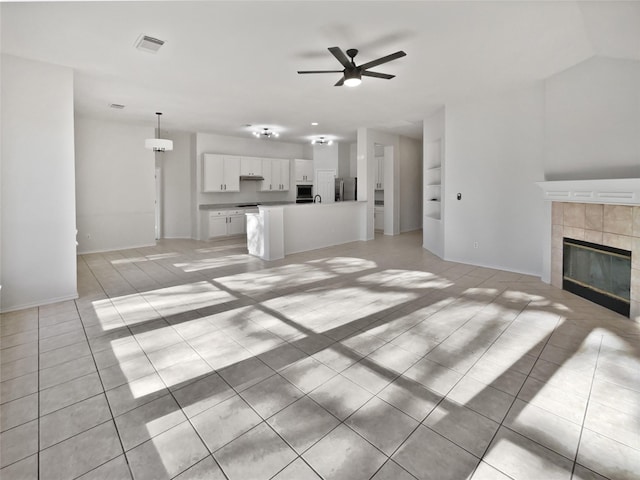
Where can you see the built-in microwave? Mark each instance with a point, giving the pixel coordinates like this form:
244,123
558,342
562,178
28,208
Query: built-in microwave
304,193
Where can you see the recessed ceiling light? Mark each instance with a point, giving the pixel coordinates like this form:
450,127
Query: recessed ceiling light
148,44
117,106
314,124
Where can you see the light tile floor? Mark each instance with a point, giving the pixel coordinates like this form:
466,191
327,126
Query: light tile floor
367,360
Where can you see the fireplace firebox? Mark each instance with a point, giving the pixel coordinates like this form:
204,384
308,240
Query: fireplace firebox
598,273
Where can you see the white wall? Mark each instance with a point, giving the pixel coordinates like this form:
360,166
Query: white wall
410,184
327,157
115,185
344,160
176,186
592,121
353,162
494,151
38,199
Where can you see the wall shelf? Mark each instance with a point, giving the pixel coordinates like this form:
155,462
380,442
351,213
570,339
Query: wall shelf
432,199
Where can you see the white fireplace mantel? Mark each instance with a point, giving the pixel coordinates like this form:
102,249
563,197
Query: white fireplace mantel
619,191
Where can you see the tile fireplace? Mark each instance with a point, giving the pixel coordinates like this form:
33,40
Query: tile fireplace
612,228
603,215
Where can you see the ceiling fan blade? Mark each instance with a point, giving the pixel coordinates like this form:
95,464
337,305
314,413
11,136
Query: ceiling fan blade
319,71
381,60
341,57
377,75
339,83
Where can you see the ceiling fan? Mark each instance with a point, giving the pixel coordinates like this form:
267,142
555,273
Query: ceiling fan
352,73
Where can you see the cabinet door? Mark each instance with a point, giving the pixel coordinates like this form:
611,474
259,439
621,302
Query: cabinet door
267,184
231,174
379,173
251,166
304,171
276,175
378,215
212,173
217,225
308,171
236,225
285,174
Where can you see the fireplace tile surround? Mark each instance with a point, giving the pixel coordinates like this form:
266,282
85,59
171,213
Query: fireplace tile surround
610,225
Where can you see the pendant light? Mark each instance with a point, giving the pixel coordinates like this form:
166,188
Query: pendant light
158,144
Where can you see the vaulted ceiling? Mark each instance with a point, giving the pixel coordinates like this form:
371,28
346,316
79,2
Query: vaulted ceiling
228,64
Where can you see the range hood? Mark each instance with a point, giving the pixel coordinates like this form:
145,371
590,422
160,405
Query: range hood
251,177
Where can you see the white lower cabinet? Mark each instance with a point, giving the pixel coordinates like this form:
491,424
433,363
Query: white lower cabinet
217,226
378,218
237,224
223,223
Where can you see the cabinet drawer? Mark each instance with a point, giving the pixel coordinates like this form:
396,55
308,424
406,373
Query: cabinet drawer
218,213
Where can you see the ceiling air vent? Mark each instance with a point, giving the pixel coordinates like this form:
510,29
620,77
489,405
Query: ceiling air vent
117,106
148,44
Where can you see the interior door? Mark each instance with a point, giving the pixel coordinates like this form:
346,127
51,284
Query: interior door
326,185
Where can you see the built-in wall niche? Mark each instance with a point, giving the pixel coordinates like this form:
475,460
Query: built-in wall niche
433,180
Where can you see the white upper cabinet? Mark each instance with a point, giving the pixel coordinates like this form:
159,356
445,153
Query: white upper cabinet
220,173
379,173
267,184
276,173
251,166
304,171
285,174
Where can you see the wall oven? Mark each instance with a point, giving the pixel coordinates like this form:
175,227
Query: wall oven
304,193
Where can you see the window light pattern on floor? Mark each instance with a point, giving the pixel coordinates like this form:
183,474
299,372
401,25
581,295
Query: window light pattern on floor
370,360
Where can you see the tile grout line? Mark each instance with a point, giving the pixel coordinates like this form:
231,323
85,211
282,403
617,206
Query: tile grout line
38,383
586,410
171,393
362,357
104,392
375,395
420,423
558,322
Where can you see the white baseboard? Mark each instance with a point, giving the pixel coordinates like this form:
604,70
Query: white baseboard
39,303
88,252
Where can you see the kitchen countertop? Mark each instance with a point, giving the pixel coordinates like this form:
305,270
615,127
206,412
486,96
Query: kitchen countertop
235,206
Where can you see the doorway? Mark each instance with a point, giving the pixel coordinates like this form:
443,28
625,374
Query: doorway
158,203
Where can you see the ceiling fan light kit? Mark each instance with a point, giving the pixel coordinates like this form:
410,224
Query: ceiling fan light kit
158,144
352,74
265,133
352,78
321,141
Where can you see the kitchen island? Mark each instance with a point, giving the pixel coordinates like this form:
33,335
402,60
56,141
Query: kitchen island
276,231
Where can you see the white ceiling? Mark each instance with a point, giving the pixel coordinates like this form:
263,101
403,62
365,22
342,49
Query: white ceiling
228,64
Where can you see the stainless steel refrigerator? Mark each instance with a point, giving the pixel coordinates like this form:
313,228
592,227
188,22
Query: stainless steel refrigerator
346,189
